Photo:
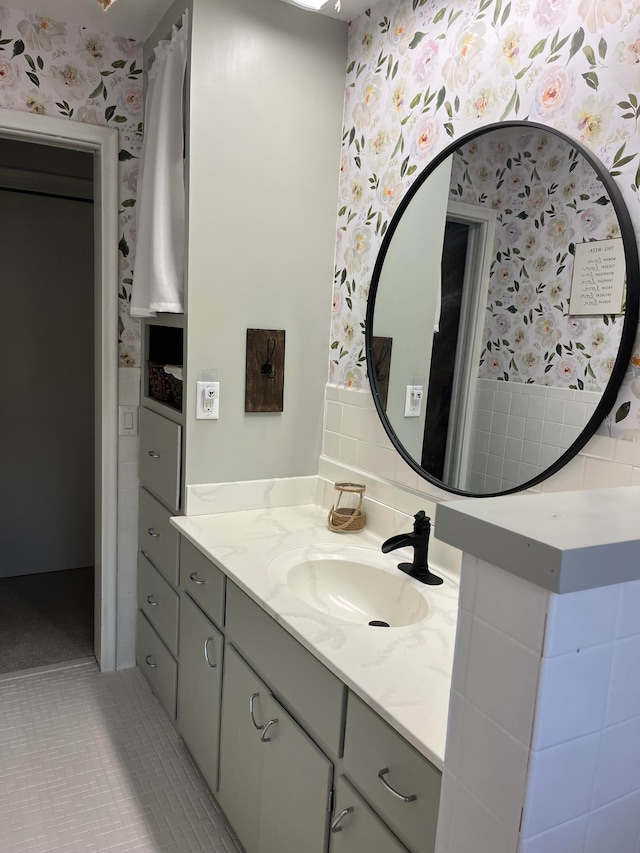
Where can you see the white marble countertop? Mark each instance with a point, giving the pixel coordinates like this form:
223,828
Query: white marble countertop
562,541
403,673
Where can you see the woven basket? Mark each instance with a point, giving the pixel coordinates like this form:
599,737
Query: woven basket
344,519
176,390
159,385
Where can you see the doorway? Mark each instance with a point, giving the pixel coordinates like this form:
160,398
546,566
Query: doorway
101,144
47,422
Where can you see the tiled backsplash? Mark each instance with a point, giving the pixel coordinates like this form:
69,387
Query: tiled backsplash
353,439
520,429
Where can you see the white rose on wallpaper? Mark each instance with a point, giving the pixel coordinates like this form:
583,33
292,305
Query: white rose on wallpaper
590,220
502,323
530,240
596,14
402,30
126,46
91,48
483,104
495,363
466,54
527,361
130,176
389,191
379,143
498,151
131,99
553,91
559,231
512,231
508,56
9,75
519,336
556,289
37,102
40,34
358,248
425,136
367,100
89,115
547,330
69,80
627,58
536,201
550,13
424,63
566,370
592,117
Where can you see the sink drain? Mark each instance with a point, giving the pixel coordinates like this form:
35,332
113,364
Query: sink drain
378,623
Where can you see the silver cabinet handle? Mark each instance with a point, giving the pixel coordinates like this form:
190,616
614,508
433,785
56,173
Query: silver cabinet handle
335,825
206,652
151,601
267,726
194,577
149,662
153,532
252,699
153,454
393,791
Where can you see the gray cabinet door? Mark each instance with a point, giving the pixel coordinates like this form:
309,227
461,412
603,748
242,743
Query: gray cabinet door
297,780
241,751
199,688
359,830
159,457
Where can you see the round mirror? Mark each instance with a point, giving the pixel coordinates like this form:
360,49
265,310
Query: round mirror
502,310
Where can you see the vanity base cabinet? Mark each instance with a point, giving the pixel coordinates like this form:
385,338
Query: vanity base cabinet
157,664
199,688
275,783
356,828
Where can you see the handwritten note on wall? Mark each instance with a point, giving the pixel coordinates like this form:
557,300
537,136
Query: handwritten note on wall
597,285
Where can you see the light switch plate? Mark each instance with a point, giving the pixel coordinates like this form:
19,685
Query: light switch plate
127,420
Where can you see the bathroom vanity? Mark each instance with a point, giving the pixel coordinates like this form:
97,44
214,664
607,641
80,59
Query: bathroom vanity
315,733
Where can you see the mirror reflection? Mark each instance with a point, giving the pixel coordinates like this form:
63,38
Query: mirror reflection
501,302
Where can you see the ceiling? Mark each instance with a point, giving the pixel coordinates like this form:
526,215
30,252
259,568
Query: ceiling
132,18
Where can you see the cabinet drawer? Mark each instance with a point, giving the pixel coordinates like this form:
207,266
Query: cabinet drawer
355,828
160,453
199,686
370,746
159,603
313,694
203,581
158,539
157,664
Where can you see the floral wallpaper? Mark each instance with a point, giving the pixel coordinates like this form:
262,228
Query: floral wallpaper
51,68
422,73
547,198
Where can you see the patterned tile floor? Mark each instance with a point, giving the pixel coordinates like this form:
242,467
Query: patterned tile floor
90,764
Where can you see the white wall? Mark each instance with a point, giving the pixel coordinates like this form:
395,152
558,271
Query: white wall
267,86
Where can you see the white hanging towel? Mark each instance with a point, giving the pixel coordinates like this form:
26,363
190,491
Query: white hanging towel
158,280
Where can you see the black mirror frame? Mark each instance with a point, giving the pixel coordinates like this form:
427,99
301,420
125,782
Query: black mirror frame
629,326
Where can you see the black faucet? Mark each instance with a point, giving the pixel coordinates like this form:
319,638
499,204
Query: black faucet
419,541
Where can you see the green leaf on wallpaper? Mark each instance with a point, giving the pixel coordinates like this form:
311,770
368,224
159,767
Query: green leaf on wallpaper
415,41
448,108
576,42
591,57
349,303
538,48
129,202
34,78
414,103
411,170
119,63
98,90
18,48
124,247
109,112
342,210
449,128
404,167
591,79
496,11
357,161
32,64
603,200
40,62
124,155
510,105
602,48
523,71
506,13
334,344
395,70
441,96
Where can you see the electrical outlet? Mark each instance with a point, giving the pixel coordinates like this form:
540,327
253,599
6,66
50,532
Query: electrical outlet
413,401
208,401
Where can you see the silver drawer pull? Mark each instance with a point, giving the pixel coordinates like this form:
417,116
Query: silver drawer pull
153,454
267,726
153,533
391,790
152,601
335,826
206,652
194,577
149,662
252,699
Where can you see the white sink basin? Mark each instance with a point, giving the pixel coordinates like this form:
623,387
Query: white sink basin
357,585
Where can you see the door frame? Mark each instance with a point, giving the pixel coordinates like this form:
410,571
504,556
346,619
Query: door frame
102,142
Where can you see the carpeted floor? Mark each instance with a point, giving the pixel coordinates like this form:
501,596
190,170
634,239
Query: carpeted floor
45,619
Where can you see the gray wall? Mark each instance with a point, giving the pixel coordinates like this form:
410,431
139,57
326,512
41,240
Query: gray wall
46,404
266,97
